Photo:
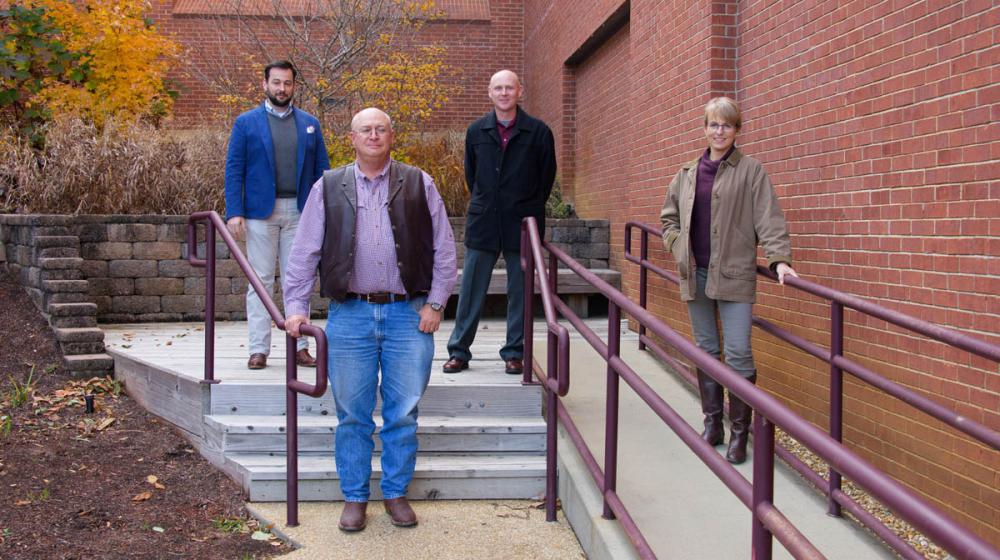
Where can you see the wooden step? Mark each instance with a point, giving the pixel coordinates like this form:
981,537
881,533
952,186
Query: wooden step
480,394
450,477
437,434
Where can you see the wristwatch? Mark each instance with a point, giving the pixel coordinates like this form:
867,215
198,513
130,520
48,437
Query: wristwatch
436,306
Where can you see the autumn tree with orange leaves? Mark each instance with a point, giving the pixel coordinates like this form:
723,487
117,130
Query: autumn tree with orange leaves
92,59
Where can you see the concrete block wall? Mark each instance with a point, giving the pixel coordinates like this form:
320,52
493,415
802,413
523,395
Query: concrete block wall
127,269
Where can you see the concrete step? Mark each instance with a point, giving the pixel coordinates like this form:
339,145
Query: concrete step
65,297
58,252
66,286
60,263
81,309
436,477
79,334
60,274
73,322
89,364
46,241
437,434
477,394
95,347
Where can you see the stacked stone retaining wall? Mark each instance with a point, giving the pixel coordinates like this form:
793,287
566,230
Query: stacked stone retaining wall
123,268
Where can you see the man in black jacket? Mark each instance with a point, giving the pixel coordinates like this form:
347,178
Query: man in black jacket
510,166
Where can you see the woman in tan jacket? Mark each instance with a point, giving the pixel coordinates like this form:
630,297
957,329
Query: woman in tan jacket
718,208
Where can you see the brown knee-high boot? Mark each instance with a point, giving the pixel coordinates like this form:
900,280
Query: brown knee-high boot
711,405
740,415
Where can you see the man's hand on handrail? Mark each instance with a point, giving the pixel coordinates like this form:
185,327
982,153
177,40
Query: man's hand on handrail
784,270
293,324
236,226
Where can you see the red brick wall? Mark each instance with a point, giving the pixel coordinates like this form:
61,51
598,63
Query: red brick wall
879,123
475,49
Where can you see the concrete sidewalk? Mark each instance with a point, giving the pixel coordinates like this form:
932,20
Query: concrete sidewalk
682,509
448,530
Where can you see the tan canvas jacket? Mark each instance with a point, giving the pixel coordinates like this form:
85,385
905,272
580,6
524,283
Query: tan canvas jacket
745,212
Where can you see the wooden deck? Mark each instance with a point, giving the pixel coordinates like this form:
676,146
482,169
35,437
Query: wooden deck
481,431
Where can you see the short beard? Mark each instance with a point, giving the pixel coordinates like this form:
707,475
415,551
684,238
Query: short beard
277,102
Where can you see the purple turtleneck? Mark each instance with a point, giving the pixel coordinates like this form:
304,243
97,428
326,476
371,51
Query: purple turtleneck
701,213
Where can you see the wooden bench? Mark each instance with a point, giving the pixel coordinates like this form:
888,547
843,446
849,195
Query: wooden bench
571,288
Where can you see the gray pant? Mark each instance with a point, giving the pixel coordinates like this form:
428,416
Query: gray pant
476,273
269,240
736,319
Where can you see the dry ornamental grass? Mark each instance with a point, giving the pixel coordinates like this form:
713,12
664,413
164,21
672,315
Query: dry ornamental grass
126,168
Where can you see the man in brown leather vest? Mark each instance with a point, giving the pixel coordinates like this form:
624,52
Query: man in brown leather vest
378,232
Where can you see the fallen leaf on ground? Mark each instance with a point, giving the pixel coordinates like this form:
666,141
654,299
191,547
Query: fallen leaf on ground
103,425
142,496
155,482
22,503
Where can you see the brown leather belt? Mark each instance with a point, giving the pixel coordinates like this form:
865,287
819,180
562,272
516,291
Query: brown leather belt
383,297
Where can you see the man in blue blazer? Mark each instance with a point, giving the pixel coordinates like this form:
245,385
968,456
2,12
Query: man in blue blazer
276,153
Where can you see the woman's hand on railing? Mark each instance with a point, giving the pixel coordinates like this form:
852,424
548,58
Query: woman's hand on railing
783,269
293,324
236,226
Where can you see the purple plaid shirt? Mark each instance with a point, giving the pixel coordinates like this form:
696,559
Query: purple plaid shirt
375,260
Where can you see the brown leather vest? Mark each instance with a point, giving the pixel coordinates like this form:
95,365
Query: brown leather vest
412,229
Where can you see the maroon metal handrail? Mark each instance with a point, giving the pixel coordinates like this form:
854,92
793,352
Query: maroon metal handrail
214,224
767,520
838,364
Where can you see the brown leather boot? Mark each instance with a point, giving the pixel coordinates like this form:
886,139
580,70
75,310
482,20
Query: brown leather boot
740,416
711,406
352,519
400,512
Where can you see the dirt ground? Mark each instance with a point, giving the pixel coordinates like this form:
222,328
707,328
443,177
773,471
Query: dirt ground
117,483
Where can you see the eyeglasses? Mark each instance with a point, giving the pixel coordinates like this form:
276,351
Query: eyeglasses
724,127
367,130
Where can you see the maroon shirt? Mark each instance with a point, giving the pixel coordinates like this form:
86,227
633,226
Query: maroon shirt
701,213
505,132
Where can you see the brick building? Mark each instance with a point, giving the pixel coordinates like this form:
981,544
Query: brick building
879,124
473,31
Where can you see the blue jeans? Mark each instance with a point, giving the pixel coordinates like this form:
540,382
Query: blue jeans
476,273
363,339
736,319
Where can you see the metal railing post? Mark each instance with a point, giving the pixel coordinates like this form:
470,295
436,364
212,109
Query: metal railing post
763,485
528,264
552,419
553,274
209,299
291,435
643,279
836,398
611,420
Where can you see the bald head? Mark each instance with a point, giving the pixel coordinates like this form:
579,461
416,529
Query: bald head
369,114
371,135
505,76
505,92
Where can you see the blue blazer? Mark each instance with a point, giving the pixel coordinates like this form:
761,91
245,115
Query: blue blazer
250,183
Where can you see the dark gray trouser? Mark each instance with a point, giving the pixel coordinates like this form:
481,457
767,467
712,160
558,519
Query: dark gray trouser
736,319
476,273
